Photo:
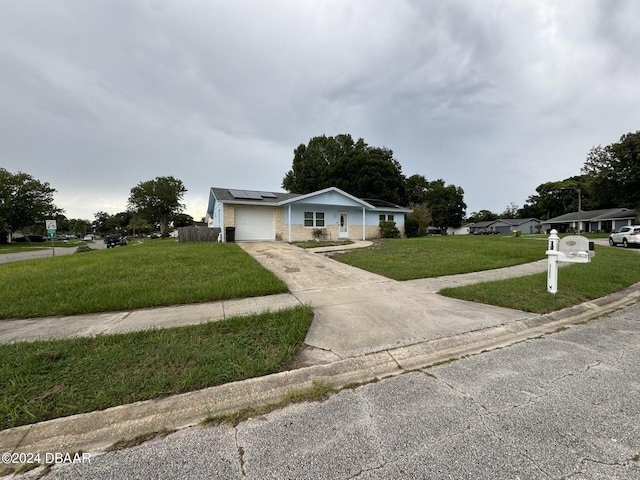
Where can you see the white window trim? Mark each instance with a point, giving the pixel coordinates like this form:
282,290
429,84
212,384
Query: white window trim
315,220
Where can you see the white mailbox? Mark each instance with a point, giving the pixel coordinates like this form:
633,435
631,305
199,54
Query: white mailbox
574,249
570,249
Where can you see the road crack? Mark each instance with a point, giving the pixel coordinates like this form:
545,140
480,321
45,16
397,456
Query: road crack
240,450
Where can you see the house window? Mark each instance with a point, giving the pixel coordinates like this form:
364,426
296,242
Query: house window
314,219
308,219
386,218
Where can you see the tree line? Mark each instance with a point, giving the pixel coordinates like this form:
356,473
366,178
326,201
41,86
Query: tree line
609,178
25,204
373,173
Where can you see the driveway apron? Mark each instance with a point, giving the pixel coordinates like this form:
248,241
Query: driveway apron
358,312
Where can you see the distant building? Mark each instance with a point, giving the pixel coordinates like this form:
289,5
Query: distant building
506,226
603,220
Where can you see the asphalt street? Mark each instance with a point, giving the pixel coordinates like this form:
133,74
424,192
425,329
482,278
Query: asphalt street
46,252
566,405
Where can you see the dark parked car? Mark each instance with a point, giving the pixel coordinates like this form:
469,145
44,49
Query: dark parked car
115,240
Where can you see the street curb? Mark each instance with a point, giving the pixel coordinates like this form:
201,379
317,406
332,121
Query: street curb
96,431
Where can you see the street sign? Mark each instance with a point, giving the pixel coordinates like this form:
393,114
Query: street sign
51,233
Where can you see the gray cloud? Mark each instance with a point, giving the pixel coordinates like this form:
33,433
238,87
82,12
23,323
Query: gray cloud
496,97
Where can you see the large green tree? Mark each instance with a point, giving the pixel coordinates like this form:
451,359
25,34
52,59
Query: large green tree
557,198
417,187
158,200
613,173
446,203
353,166
24,202
101,222
482,216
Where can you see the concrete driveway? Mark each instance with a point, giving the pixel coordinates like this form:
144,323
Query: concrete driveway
358,312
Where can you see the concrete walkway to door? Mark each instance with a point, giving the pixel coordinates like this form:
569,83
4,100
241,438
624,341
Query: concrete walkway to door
358,312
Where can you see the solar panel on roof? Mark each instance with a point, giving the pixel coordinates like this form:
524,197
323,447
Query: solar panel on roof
252,195
237,193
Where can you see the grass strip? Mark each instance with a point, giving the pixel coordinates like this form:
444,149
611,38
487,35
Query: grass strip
49,379
156,273
609,271
410,258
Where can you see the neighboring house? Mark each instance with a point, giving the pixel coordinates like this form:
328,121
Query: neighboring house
486,225
525,225
603,220
508,225
259,215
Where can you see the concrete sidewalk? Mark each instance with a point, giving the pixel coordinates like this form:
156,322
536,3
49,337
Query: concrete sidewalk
365,327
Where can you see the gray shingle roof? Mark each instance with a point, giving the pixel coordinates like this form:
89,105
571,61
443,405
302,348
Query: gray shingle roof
594,215
224,194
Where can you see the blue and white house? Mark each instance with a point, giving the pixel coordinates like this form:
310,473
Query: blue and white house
259,215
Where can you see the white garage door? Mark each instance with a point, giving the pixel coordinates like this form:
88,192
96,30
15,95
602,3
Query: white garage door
254,224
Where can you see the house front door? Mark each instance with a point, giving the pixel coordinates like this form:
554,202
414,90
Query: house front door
343,226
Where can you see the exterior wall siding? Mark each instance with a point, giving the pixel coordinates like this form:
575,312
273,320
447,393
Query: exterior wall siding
281,228
229,215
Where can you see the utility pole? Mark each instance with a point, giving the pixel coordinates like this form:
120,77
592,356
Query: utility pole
579,209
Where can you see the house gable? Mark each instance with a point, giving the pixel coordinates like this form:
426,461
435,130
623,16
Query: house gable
329,196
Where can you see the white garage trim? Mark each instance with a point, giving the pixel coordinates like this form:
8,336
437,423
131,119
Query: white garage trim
254,223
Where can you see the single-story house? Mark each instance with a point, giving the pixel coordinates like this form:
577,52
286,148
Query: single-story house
507,225
525,225
485,226
603,220
259,215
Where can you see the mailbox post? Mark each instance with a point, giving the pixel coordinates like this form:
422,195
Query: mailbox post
570,249
552,262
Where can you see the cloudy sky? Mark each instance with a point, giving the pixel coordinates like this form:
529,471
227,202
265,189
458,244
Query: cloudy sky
494,96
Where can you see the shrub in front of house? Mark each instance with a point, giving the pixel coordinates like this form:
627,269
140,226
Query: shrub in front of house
389,230
411,227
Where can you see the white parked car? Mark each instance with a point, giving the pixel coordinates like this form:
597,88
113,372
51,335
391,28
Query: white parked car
88,238
627,236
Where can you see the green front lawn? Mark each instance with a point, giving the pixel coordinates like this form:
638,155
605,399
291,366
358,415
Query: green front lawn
49,379
151,274
610,270
409,258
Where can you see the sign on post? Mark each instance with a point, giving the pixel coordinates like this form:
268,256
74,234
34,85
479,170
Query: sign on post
51,233
51,227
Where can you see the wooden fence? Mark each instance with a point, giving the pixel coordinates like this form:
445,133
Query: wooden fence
198,234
